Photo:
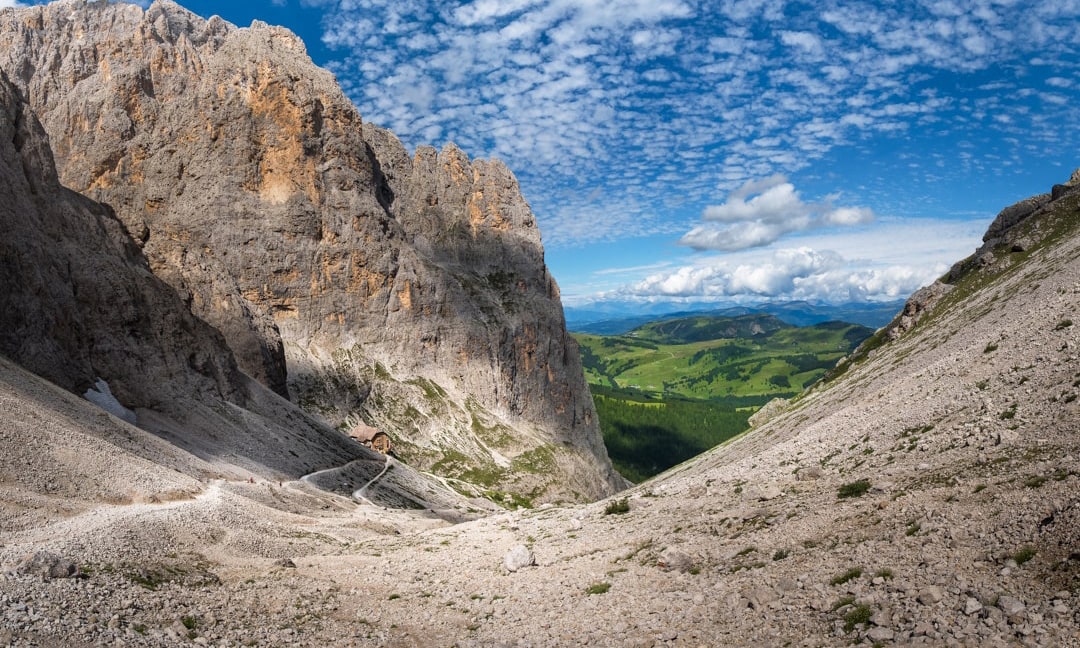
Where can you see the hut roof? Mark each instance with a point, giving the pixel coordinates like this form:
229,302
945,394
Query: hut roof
363,433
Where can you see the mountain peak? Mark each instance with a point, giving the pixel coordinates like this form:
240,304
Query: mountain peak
318,247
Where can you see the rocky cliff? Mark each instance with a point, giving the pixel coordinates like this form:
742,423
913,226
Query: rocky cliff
407,292
927,495
80,307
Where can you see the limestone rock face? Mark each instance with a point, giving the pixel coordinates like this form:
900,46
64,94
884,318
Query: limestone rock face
408,292
80,307
78,300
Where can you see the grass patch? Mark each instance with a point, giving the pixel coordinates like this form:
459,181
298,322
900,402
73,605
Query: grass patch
849,575
853,489
858,615
598,588
1024,554
1035,481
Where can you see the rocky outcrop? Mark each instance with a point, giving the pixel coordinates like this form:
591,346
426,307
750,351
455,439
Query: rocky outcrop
408,292
80,307
918,305
78,301
1015,229
1012,215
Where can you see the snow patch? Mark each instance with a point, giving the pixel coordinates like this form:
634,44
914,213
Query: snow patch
102,396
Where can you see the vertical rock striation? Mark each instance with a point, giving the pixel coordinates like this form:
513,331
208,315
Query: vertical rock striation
79,305
366,284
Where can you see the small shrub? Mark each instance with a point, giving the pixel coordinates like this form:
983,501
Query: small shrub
853,489
1009,413
858,615
746,551
849,575
990,348
1063,324
845,600
912,529
189,622
781,554
599,588
885,573
1035,481
617,507
394,597
1024,554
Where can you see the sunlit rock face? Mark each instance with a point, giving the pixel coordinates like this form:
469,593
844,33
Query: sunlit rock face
409,292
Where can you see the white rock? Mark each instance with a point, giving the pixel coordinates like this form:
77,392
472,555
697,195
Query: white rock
518,557
880,634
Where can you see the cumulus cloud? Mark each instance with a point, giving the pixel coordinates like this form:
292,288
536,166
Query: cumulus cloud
788,274
762,211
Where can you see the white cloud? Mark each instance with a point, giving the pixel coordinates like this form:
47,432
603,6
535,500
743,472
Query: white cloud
888,261
789,274
761,212
579,95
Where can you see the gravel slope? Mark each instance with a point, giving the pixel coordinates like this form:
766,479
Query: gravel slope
957,445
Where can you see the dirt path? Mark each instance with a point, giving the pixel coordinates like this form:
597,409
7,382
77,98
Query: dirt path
109,516
307,479
361,493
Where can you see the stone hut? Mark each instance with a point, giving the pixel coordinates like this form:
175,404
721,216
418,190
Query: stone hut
373,438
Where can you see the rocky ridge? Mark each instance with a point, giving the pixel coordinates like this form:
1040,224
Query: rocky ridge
407,292
80,303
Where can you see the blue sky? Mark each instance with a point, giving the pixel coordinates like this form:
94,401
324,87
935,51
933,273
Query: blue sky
725,151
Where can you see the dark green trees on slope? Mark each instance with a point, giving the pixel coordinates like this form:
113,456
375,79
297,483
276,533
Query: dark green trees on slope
670,390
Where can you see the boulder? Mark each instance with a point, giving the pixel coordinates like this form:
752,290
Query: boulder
931,595
761,596
47,565
518,557
675,560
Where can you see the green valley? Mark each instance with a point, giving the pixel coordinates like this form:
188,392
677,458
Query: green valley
671,389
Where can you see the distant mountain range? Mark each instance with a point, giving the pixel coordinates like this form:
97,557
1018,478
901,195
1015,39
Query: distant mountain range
616,318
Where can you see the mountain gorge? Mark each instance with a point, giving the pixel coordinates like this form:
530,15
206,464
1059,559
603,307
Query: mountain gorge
200,234
366,285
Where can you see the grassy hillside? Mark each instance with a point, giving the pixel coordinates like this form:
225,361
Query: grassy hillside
748,359
670,390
